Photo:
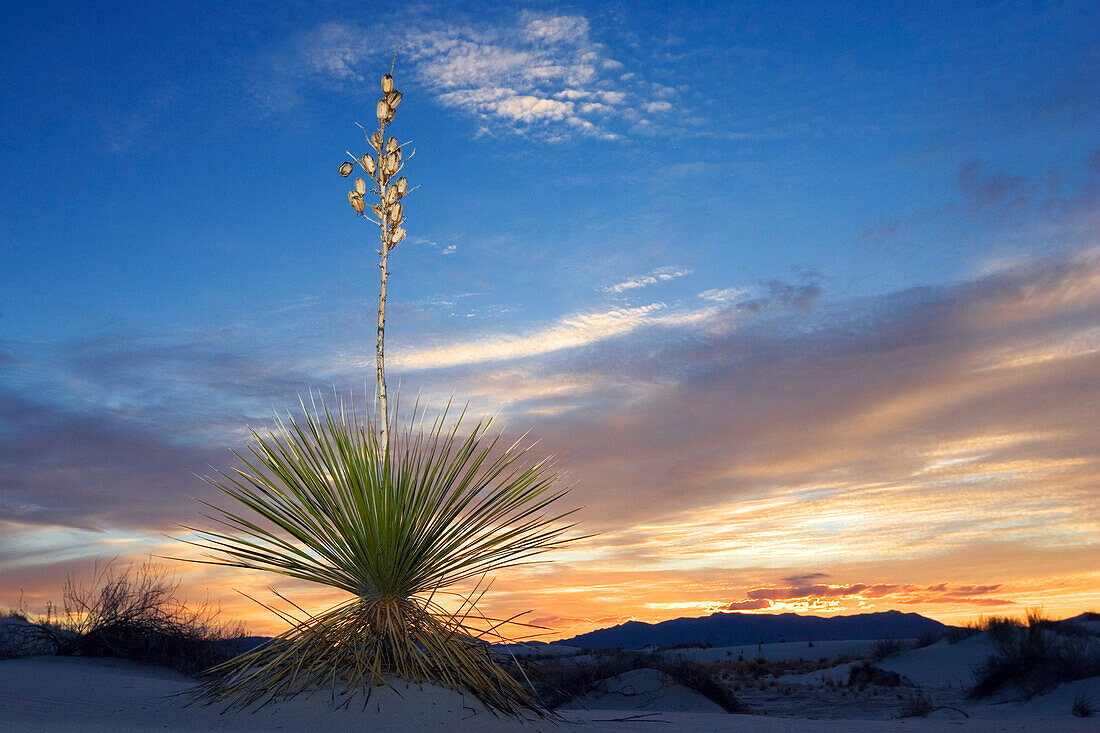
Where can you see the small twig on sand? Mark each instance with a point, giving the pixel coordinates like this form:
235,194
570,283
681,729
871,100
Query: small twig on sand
631,718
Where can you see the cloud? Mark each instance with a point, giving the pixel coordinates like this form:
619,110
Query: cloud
526,75
661,274
569,332
556,29
746,606
992,190
820,591
725,295
884,452
909,594
522,78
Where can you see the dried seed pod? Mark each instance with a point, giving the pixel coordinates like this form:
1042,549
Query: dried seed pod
346,169
393,99
368,164
390,116
356,201
376,140
391,194
360,186
387,83
391,145
379,211
384,112
401,185
397,235
391,163
395,212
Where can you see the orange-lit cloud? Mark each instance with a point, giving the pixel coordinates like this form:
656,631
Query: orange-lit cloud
933,450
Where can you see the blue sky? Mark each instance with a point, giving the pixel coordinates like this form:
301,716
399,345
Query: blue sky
737,223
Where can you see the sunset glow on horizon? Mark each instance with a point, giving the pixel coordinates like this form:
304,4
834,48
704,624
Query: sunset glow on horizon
805,303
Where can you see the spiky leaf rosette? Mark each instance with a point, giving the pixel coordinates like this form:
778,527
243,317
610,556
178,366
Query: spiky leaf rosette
436,510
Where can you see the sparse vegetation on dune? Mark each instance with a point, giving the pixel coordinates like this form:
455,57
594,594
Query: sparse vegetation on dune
1083,706
884,648
559,681
1035,655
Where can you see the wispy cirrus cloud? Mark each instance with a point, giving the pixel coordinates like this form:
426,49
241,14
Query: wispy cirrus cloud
660,274
537,74
571,331
526,76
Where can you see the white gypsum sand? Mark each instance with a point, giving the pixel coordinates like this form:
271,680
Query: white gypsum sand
67,695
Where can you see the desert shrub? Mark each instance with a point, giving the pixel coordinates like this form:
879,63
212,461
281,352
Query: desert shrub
957,633
1001,629
918,705
928,638
135,615
1083,706
20,636
556,681
868,674
695,677
1035,657
885,647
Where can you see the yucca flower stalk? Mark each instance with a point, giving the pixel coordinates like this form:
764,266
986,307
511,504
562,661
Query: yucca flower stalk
397,529
382,167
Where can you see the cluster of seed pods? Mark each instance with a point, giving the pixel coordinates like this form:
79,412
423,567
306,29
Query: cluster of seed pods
381,167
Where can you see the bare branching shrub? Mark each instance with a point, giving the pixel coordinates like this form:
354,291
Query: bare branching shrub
1083,706
134,614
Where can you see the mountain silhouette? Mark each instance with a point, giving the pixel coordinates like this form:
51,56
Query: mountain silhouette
737,629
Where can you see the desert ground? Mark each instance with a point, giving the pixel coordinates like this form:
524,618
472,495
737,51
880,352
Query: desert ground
51,693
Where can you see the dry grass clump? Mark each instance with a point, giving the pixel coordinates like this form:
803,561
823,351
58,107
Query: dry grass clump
1035,656
917,705
884,648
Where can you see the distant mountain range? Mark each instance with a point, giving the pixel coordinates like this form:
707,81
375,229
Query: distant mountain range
738,629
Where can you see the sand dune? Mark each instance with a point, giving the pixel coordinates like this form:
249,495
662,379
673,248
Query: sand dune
74,694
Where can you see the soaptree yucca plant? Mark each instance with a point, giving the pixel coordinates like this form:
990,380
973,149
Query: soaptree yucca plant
396,529
399,520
